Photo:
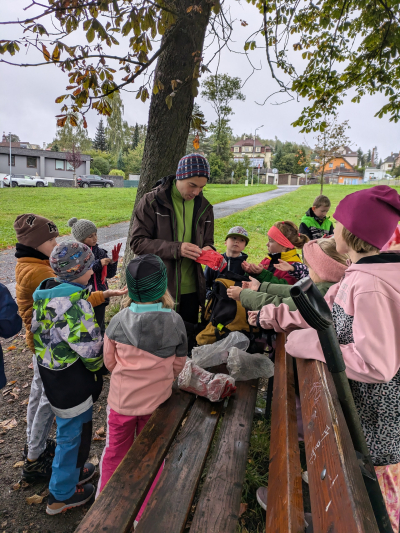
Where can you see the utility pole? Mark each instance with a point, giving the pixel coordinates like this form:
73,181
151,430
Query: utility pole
233,173
10,159
254,153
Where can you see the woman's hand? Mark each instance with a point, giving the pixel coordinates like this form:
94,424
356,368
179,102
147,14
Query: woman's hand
105,261
253,285
251,268
116,292
284,266
252,317
234,293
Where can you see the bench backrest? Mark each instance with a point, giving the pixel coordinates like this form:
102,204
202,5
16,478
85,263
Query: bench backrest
339,500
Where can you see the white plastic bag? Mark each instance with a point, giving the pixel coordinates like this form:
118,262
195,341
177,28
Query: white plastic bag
217,353
215,387
244,366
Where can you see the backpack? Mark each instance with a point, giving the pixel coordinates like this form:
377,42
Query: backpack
223,314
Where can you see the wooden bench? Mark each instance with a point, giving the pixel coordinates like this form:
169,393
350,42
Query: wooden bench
339,500
182,428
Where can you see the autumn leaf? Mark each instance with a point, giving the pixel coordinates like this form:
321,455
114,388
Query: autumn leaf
100,432
242,508
56,54
168,101
12,382
18,464
61,121
34,500
45,53
11,348
8,424
98,438
196,142
94,460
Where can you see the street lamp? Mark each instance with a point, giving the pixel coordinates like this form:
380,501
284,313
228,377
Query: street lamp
254,150
10,157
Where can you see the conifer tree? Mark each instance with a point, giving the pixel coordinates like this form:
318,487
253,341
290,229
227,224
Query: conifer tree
135,137
120,162
100,142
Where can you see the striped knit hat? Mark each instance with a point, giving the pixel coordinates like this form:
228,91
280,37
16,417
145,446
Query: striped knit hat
191,166
146,277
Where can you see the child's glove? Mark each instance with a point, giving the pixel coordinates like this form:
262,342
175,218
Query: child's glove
115,252
212,259
104,274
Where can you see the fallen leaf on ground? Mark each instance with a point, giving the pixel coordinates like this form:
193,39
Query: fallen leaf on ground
45,493
35,499
213,413
99,409
1,441
25,402
11,382
243,508
18,464
25,385
30,366
8,424
100,432
11,348
17,486
94,460
99,438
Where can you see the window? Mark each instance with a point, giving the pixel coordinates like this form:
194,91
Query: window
247,148
60,164
31,162
330,165
69,166
12,160
258,148
341,165
236,148
390,165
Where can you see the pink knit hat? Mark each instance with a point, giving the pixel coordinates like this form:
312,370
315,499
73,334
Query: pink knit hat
371,214
323,265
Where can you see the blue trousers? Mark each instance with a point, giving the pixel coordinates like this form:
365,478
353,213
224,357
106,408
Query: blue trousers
74,436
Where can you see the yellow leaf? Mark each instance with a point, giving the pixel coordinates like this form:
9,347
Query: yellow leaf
34,500
56,54
213,413
100,431
45,53
18,464
8,424
196,145
189,9
11,348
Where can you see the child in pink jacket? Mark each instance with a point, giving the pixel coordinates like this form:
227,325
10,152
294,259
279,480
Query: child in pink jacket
145,348
365,307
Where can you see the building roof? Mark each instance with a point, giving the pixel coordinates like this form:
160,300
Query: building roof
250,142
38,153
392,158
349,152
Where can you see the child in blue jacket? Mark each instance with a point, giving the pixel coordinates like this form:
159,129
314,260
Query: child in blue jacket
10,324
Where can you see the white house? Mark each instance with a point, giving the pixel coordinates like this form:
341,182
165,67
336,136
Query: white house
375,174
350,155
390,162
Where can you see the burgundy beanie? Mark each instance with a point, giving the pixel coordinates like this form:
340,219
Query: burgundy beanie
370,214
327,268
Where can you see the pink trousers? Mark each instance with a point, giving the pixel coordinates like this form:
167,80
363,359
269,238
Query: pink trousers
121,432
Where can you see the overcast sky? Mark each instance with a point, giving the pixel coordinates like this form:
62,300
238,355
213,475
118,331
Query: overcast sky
27,95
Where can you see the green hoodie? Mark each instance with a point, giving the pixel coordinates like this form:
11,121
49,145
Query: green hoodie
271,293
184,218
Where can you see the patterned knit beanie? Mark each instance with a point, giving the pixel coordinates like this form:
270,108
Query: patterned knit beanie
238,231
81,229
34,230
193,166
70,260
146,277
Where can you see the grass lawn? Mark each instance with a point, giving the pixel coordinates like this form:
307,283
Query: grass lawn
257,220
102,206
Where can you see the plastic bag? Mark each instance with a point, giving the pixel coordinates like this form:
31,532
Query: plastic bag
215,387
243,366
217,353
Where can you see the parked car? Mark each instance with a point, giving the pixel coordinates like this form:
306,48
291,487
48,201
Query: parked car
91,180
21,180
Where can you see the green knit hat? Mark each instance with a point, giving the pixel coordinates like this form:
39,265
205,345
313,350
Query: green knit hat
146,277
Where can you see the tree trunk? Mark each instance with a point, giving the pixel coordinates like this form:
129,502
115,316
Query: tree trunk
322,181
168,129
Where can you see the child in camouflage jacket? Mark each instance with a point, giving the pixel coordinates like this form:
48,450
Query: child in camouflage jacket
68,347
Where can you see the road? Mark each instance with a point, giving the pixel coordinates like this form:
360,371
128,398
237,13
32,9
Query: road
111,235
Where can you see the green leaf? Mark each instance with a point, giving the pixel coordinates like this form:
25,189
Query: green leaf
90,35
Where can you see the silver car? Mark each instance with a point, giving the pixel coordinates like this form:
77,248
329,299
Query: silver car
22,180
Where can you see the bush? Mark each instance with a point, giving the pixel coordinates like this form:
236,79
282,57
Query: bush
116,172
102,165
94,170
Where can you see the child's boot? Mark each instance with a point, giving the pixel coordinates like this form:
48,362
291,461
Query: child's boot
82,494
87,472
39,469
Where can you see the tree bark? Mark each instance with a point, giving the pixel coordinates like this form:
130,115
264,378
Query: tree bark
168,129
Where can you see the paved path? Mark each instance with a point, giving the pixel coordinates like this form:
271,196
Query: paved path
115,233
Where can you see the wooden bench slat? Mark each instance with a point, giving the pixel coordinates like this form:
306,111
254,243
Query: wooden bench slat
285,496
339,501
116,507
170,503
218,508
